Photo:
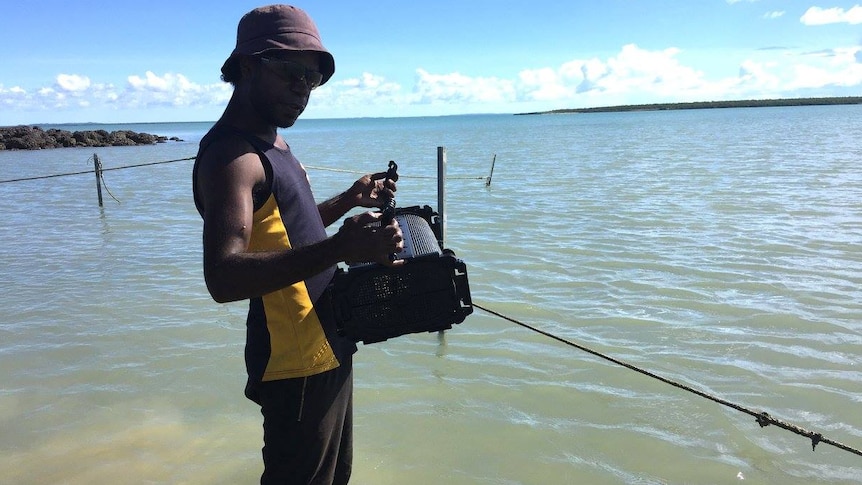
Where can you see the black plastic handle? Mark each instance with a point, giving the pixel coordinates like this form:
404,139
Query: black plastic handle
389,206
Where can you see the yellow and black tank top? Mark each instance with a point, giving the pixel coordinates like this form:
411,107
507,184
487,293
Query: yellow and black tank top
290,332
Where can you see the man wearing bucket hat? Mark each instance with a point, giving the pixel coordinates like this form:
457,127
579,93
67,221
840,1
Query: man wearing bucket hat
264,240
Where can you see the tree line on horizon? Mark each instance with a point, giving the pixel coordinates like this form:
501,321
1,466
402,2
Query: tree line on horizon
747,103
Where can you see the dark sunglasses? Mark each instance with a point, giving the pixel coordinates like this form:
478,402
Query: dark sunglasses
292,71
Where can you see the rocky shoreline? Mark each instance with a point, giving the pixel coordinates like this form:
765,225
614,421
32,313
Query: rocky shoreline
35,138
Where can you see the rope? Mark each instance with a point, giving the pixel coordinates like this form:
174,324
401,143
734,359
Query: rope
400,176
763,418
43,177
148,164
192,158
90,171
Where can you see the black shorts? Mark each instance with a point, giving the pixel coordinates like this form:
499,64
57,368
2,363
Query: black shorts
307,427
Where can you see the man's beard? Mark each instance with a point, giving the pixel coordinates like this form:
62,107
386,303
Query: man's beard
274,116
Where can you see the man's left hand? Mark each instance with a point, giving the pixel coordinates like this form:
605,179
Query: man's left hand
373,190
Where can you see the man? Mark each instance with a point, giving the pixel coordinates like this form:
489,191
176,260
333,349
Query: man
264,240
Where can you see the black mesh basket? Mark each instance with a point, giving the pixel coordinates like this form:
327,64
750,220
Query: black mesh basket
428,293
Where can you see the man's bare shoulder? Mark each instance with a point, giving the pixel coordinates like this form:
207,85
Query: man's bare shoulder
228,165
224,149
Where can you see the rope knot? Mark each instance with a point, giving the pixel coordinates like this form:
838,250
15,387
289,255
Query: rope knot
764,419
815,439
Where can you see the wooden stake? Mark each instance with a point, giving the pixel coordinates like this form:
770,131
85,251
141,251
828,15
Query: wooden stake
488,181
98,169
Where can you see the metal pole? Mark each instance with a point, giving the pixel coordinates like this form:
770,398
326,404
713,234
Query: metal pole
491,175
441,209
441,192
98,169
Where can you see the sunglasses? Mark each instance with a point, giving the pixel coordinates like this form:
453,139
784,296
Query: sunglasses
292,71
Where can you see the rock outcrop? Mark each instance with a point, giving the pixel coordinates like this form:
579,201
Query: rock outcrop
35,138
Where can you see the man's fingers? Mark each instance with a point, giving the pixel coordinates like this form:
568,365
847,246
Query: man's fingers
366,218
382,175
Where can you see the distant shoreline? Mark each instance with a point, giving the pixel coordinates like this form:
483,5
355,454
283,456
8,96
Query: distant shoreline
748,103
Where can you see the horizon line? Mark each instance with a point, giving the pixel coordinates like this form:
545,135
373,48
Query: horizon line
679,105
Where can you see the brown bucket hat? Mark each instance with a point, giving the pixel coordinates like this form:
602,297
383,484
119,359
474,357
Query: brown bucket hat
280,27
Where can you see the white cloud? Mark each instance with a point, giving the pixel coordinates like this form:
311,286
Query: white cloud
774,14
810,77
172,90
458,88
808,72
151,82
73,82
633,70
631,76
835,15
359,93
370,86
374,95
756,76
543,84
841,69
638,75
75,91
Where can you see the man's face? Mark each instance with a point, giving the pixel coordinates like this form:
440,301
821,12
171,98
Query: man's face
281,85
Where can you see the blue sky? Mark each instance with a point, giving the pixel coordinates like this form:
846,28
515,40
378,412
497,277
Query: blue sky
153,61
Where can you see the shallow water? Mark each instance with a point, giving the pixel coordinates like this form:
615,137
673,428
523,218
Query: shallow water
718,248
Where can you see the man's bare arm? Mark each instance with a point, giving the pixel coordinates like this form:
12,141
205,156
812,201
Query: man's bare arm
232,272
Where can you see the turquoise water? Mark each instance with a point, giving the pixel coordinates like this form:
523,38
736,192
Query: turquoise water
719,248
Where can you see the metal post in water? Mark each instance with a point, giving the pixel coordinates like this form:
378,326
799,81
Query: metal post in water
441,209
491,175
98,169
441,193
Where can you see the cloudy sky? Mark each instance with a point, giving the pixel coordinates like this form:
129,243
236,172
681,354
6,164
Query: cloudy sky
157,60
